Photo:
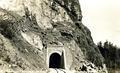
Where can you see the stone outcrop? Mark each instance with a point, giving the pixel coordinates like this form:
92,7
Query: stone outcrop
31,31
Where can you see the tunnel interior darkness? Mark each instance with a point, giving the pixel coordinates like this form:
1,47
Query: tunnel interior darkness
56,61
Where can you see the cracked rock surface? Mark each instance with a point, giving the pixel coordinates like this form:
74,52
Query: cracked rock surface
28,27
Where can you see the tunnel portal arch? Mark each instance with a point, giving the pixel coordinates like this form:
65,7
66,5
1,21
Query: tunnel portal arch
56,57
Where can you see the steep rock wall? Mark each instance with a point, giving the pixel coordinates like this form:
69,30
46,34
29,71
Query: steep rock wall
32,26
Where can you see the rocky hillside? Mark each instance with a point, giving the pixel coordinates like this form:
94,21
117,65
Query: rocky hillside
29,27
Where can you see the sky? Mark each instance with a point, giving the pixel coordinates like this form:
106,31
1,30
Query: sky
102,17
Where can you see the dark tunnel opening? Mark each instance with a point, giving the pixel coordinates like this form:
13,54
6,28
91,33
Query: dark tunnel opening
56,61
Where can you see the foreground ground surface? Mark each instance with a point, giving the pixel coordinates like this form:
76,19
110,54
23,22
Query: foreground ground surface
51,70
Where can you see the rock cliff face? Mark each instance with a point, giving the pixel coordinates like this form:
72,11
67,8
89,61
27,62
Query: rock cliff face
31,29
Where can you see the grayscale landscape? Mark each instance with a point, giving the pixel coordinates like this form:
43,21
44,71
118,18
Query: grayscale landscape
48,36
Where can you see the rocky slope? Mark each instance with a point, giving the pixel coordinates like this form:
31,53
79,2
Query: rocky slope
29,27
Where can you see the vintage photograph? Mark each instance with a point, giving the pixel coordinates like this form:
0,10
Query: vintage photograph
59,36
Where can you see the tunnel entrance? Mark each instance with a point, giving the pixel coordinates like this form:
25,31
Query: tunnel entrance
56,61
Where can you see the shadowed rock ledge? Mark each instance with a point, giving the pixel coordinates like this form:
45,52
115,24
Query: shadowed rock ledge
28,29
